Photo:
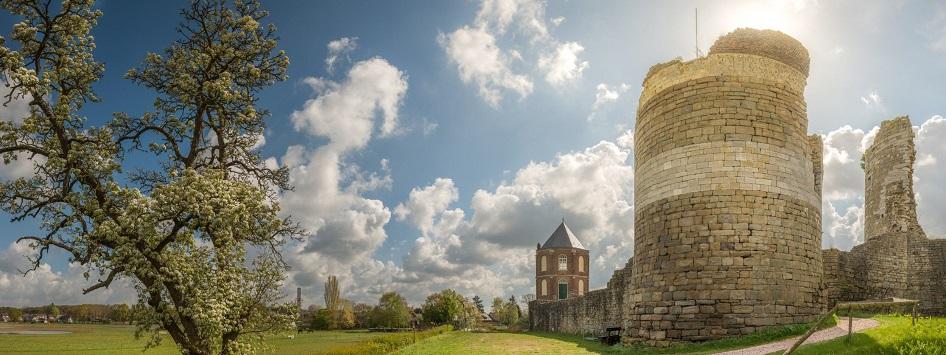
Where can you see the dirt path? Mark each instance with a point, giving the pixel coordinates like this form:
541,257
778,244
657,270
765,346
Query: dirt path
821,335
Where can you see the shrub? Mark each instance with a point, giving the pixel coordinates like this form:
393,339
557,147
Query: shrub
391,342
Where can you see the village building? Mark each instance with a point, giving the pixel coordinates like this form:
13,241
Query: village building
561,266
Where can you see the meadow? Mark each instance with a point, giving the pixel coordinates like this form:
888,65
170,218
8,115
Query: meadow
119,339
894,335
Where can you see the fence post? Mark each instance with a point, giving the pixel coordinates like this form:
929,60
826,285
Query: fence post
850,323
914,314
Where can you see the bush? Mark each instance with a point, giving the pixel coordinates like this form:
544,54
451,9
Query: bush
391,342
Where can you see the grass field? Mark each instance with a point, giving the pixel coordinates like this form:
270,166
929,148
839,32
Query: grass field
895,335
549,343
119,339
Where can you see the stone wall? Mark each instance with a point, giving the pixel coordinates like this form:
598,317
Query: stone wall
588,314
896,259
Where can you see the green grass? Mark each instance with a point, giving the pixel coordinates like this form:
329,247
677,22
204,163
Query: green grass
894,335
553,343
119,339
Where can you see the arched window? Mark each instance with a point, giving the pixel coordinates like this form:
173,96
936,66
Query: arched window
545,288
563,262
581,286
581,264
544,264
562,289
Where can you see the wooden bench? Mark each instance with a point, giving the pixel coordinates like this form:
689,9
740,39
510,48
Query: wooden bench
612,335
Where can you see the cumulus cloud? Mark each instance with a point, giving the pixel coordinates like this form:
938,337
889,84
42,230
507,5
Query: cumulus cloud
15,111
930,174
563,65
345,112
44,285
337,48
480,60
329,197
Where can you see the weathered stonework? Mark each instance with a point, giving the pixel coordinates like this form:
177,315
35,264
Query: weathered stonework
728,208
589,314
727,216
889,203
896,259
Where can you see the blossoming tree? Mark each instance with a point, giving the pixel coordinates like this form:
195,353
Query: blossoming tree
198,233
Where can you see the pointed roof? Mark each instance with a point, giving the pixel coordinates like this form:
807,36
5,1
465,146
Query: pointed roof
563,237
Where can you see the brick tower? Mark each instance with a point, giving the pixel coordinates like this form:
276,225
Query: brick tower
561,266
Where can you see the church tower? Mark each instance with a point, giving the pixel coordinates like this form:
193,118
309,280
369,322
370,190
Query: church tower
561,266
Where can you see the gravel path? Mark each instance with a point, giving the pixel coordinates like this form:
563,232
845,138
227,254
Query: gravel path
821,335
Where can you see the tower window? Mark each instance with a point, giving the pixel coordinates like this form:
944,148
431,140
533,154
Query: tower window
544,267
563,262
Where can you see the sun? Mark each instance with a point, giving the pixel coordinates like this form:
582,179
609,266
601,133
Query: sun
774,15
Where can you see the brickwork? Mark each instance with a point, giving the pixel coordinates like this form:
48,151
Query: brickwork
572,275
727,216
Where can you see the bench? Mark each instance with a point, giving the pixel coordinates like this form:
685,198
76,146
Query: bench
612,335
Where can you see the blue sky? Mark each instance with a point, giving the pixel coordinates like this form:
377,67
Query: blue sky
487,121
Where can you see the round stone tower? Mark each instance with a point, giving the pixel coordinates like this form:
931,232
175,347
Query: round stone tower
561,266
727,207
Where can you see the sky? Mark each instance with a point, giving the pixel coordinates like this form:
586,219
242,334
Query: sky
432,144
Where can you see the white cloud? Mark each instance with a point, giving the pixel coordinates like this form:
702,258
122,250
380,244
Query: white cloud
563,65
339,47
345,112
558,21
424,203
874,101
346,227
44,285
15,111
605,95
527,15
930,174
480,61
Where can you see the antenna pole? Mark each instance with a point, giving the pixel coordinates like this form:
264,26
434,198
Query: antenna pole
696,30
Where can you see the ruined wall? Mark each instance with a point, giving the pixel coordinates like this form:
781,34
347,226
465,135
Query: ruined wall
888,180
727,216
896,259
588,314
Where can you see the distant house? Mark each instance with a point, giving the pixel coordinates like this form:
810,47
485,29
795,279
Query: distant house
4,317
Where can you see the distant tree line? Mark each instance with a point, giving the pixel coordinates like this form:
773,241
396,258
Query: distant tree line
392,311
77,313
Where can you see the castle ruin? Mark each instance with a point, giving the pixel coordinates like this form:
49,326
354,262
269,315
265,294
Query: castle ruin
728,208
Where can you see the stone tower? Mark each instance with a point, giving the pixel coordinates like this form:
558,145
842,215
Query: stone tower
727,200
561,266
888,180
